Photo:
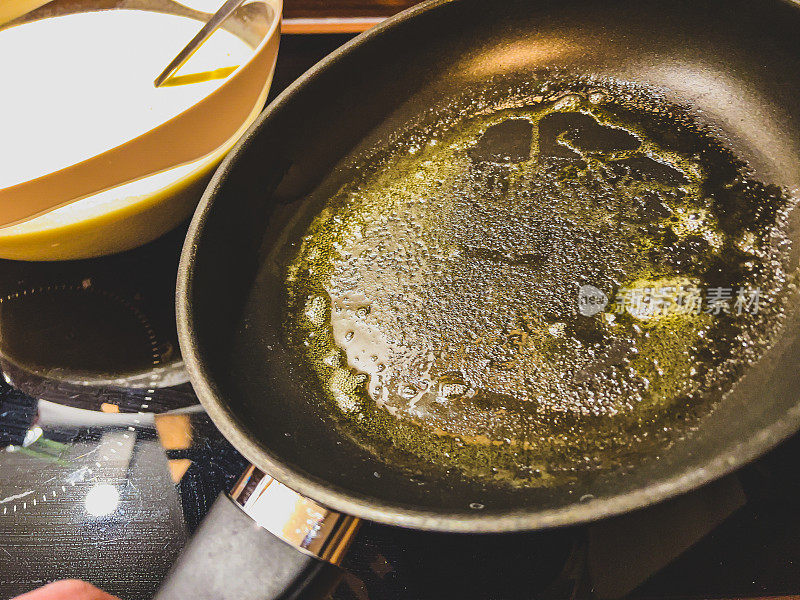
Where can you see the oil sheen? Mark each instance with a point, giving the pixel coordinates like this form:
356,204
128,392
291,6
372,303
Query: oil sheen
437,295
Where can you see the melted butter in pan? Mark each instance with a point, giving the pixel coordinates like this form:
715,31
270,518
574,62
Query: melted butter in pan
437,297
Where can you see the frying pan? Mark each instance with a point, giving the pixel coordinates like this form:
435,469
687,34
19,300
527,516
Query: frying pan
734,65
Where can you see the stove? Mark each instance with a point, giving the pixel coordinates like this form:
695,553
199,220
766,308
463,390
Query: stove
109,464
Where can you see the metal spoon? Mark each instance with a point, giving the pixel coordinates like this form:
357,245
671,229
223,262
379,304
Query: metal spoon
210,27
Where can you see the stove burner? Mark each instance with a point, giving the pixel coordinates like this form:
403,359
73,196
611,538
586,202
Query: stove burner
78,331
99,322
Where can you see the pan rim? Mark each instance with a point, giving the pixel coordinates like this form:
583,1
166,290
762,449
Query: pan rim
381,511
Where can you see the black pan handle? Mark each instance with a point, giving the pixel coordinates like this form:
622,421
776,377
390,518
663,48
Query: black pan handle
262,542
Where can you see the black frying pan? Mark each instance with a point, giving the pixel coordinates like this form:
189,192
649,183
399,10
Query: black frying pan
733,67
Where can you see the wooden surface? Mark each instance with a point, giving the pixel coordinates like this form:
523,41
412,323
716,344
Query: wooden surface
293,9
338,16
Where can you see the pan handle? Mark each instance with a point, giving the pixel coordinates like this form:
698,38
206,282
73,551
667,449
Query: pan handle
261,542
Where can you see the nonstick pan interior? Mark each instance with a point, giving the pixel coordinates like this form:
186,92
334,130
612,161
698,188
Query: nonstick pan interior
734,67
